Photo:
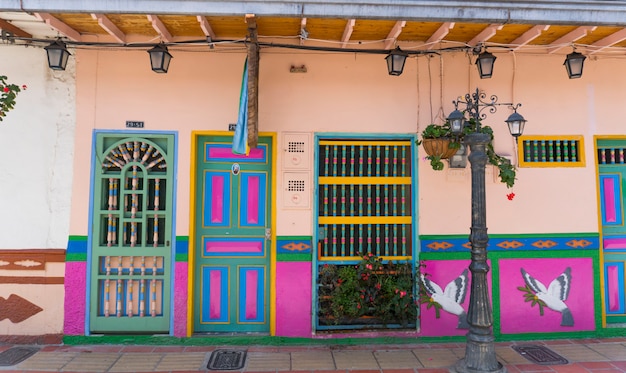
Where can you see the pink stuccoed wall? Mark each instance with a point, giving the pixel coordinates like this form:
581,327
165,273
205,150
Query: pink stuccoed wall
352,93
74,306
293,299
518,316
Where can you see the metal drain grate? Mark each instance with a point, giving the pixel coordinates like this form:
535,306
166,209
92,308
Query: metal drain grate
16,355
540,355
227,360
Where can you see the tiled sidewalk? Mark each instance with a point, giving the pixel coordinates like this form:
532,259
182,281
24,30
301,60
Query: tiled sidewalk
598,356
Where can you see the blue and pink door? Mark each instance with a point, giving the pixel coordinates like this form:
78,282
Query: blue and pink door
611,158
232,238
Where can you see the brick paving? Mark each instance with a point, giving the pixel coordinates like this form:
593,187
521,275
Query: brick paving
594,356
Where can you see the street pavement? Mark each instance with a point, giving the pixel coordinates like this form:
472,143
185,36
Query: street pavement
583,355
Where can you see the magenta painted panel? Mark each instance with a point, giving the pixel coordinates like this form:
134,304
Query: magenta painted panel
252,286
180,299
216,294
223,152
75,277
610,215
253,200
234,246
441,273
293,299
615,243
518,316
217,199
613,288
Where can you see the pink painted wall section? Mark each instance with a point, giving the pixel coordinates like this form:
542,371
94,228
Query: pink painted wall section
252,292
75,285
220,153
518,316
216,294
441,274
217,199
610,214
213,247
180,299
253,200
293,299
613,288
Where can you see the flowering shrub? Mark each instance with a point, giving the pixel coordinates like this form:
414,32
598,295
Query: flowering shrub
369,289
8,94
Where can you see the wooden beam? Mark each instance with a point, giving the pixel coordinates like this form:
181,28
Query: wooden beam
59,26
6,26
485,34
206,27
529,36
606,42
253,82
438,35
109,27
347,32
570,37
392,37
160,28
304,34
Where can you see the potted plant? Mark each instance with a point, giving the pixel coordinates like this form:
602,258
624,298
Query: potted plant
443,133
439,143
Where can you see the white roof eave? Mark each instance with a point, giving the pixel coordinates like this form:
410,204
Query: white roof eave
588,12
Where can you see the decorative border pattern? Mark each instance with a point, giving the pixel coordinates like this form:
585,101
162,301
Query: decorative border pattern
545,242
30,260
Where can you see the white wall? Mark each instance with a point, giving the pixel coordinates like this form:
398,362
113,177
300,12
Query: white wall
36,152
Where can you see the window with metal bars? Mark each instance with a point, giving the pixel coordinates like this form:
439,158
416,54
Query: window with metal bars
551,151
611,155
364,199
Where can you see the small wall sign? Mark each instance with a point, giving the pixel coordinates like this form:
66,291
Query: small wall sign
134,124
232,127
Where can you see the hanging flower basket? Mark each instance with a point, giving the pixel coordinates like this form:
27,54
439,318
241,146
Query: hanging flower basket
439,147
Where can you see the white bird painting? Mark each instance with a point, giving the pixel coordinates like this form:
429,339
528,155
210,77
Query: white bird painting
555,295
451,298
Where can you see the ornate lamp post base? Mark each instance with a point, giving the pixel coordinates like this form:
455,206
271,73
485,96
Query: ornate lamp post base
480,354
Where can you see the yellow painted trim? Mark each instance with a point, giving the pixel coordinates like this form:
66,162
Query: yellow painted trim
581,151
272,248
599,217
192,222
361,142
365,220
376,180
192,233
344,258
192,229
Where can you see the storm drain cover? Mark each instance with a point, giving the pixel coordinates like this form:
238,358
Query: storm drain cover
540,355
227,360
16,355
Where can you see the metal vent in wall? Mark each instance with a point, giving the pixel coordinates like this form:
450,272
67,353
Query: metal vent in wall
296,190
297,151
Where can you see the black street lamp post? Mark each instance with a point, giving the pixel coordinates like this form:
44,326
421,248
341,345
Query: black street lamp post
480,354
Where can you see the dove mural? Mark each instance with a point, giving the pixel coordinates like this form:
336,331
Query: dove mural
450,298
553,296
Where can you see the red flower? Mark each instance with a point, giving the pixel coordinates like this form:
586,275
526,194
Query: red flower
6,89
510,196
24,86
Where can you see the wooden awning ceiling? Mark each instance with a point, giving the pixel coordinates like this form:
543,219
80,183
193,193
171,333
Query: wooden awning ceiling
345,33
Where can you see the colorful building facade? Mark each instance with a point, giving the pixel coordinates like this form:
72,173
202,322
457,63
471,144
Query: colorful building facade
166,231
